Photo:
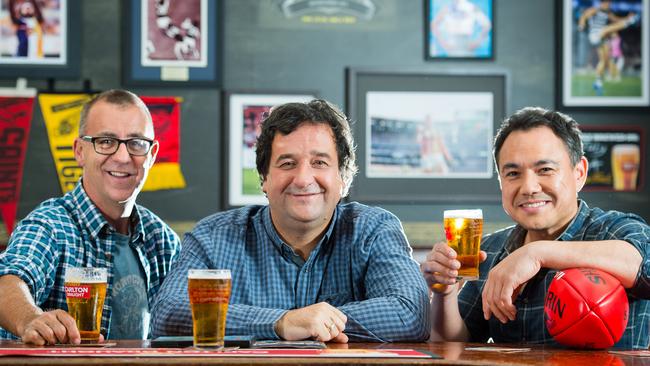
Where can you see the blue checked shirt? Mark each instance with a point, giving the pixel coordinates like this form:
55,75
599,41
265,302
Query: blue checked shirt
588,225
70,231
363,266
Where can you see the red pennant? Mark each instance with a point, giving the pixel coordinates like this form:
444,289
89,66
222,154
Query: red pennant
15,118
165,113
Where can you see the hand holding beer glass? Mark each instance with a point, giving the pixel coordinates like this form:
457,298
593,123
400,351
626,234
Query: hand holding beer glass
463,229
209,292
85,292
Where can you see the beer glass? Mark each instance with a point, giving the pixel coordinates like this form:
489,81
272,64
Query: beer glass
625,166
209,292
463,229
85,292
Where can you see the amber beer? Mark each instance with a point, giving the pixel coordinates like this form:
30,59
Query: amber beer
209,292
85,292
625,166
464,229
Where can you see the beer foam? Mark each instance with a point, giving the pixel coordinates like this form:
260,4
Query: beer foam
464,214
209,274
86,275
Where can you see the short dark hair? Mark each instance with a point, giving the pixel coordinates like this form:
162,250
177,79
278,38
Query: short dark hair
288,117
118,97
563,126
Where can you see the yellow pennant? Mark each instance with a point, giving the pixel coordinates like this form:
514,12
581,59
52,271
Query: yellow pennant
61,115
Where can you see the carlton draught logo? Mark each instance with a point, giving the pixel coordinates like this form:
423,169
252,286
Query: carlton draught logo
79,292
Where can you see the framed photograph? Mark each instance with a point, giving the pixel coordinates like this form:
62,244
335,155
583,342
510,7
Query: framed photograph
603,58
245,112
459,29
171,42
39,38
423,136
615,155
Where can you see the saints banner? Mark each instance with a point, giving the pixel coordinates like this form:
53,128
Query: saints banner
15,118
61,114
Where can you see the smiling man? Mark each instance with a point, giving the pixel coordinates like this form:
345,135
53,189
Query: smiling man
97,224
541,166
306,266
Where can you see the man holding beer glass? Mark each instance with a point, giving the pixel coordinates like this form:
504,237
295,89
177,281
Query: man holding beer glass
306,266
541,167
97,224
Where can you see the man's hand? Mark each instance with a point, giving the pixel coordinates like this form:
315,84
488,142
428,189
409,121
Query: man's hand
505,280
50,327
320,321
440,268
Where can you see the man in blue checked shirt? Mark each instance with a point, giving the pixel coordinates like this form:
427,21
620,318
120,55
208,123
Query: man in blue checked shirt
306,266
97,224
541,166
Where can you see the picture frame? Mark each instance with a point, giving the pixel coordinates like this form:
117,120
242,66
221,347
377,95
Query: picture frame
459,29
603,65
171,43
452,164
244,113
616,156
40,39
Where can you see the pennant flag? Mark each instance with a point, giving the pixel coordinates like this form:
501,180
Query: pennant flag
166,172
61,114
15,118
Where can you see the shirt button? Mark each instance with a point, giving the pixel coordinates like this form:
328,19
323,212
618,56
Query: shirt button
109,256
525,300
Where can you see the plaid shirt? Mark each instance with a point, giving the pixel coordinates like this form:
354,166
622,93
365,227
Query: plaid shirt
363,266
70,231
588,225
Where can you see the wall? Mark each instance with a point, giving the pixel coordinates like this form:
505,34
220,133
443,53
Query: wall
259,56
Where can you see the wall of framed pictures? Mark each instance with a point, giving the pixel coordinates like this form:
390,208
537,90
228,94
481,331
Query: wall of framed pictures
256,47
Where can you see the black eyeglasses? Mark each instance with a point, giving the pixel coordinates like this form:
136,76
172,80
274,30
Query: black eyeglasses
105,145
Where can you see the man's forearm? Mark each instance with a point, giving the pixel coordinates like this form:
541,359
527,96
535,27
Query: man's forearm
446,323
17,307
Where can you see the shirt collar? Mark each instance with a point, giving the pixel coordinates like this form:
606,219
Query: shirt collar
91,218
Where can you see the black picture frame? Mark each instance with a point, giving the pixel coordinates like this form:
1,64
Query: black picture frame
241,183
70,68
179,73
616,156
401,188
579,86
475,15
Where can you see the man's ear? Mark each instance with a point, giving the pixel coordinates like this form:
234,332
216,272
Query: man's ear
154,152
580,173
79,152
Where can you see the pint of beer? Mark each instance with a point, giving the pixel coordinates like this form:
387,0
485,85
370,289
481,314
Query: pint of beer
625,166
463,229
85,292
209,292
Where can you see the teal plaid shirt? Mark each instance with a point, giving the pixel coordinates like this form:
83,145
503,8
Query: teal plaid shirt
529,327
362,266
70,231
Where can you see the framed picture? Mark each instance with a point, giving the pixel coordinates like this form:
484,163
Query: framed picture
459,29
245,112
615,155
171,42
603,53
39,38
423,136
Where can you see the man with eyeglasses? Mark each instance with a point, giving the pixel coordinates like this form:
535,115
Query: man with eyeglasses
97,224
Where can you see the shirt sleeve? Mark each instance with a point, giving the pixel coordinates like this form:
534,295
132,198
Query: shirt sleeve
634,230
396,305
32,256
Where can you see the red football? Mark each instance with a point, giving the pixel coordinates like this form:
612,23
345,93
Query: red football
586,308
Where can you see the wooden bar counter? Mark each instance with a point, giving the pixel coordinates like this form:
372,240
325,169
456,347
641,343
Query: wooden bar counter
451,353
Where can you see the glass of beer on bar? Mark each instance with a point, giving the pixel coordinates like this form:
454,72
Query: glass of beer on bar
463,229
85,292
209,292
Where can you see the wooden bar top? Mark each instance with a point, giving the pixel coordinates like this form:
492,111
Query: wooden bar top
451,353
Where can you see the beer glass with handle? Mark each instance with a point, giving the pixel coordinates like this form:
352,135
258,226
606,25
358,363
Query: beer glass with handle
463,229
85,292
209,292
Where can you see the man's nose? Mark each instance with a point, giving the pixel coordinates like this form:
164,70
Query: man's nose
530,183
